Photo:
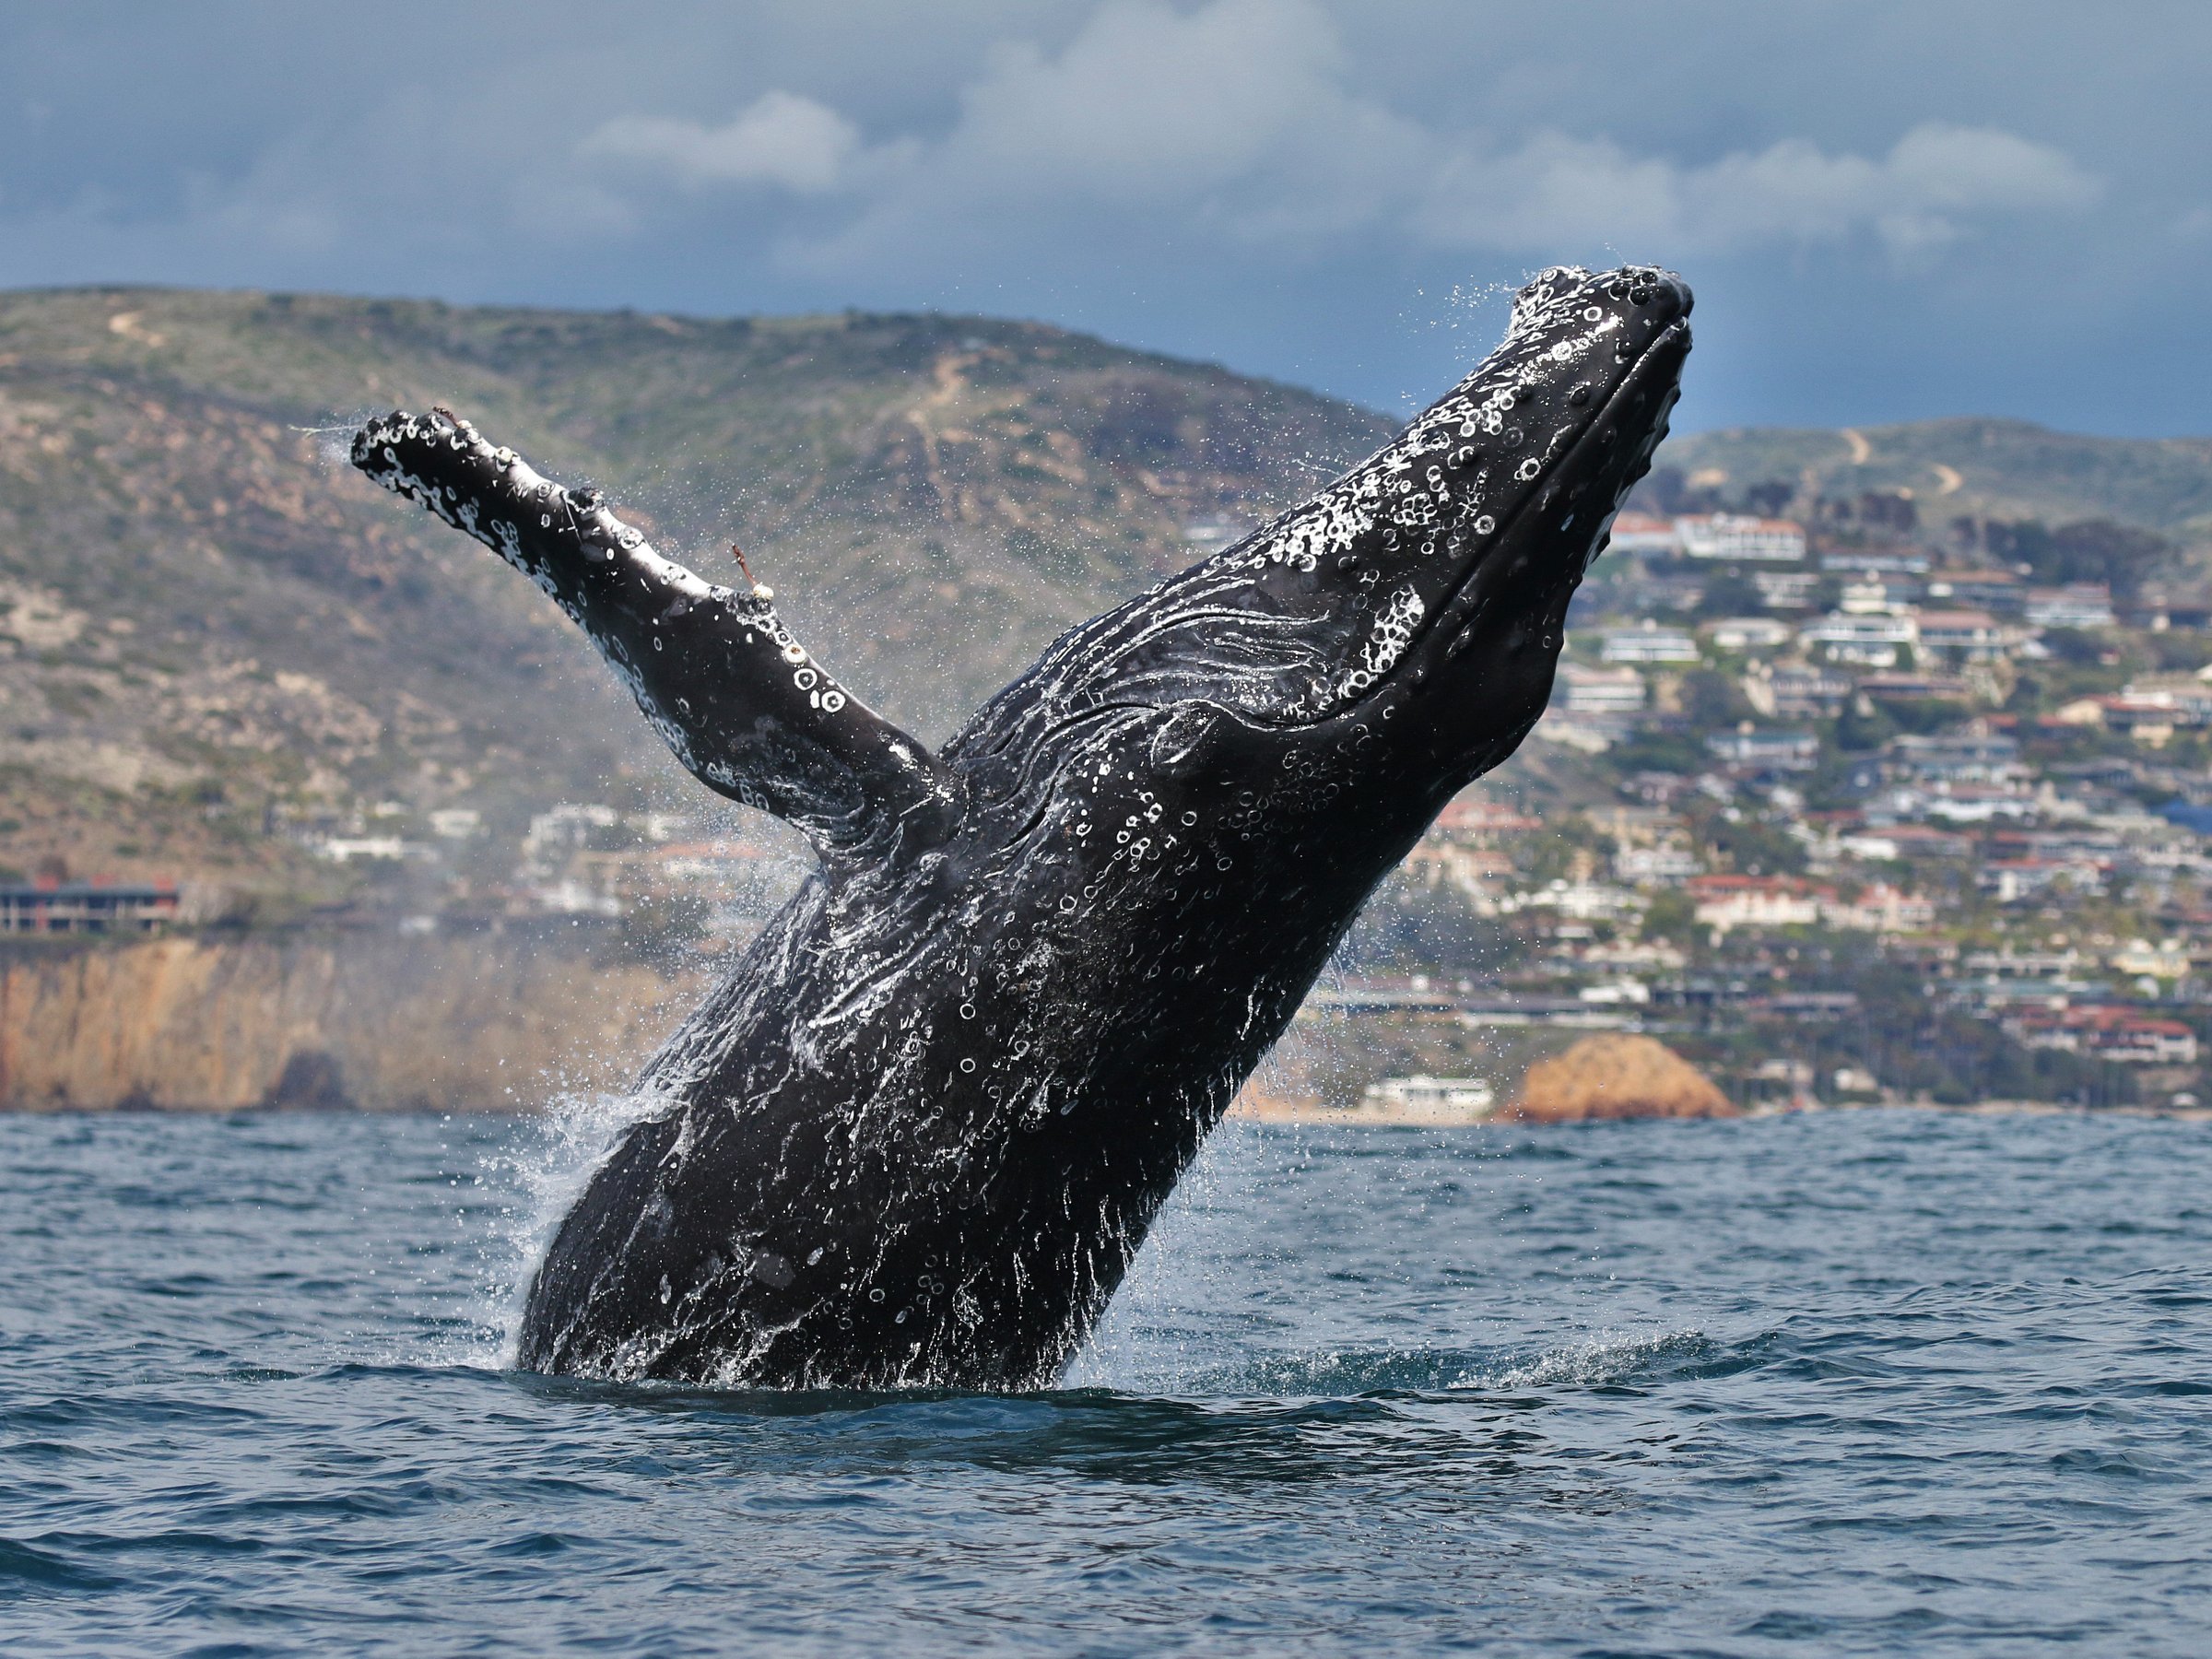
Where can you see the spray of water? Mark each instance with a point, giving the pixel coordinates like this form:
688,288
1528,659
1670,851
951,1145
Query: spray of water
542,1165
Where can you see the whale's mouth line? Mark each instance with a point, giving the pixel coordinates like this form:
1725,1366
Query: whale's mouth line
1452,608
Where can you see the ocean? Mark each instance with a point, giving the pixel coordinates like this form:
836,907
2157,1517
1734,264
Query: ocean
1876,1382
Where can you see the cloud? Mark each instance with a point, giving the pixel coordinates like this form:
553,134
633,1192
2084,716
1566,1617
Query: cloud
1243,121
1935,182
1149,104
781,139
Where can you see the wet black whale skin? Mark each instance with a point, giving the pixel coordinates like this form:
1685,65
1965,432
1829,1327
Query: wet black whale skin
918,1132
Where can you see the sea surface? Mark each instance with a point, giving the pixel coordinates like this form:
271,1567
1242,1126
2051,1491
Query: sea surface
1867,1382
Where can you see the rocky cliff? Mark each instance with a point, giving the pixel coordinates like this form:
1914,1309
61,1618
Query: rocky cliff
478,1023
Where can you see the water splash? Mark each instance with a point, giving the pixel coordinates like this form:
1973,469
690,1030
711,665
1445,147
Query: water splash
544,1165
1607,1358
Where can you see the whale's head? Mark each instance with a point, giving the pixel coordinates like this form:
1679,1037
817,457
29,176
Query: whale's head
1406,622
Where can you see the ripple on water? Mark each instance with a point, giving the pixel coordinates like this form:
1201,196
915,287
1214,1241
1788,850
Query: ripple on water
1879,1383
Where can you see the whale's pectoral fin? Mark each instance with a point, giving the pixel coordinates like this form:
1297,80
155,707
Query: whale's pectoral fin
715,670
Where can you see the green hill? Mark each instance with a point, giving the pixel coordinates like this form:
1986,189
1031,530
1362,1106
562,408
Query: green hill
209,626
208,621
2006,469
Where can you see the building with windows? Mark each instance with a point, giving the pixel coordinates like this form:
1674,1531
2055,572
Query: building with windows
2000,592
1723,902
54,906
1727,535
1969,635
1423,1097
1646,533
2121,1035
1880,908
1618,690
2076,604
1794,691
1876,640
1777,750
1787,590
1663,865
1650,643
1748,633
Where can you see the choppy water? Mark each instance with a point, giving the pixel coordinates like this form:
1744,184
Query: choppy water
1879,1383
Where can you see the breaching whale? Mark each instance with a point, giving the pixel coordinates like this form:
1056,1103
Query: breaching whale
917,1133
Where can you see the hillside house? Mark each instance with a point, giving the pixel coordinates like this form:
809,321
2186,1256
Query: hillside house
1724,902
1880,908
1618,690
1968,754
1875,640
2016,881
1883,594
1747,633
1875,562
1966,636
2121,1035
1480,823
1664,865
1646,533
1794,691
1726,535
1899,688
1650,643
2081,605
1768,750
1786,590
1999,591
73,906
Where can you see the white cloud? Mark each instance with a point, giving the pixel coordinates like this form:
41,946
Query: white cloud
1239,121
781,139
1149,104
1934,182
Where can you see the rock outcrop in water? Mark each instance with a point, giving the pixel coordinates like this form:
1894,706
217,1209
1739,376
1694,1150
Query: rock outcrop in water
1617,1077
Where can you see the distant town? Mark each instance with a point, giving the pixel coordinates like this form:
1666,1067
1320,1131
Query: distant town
1864,809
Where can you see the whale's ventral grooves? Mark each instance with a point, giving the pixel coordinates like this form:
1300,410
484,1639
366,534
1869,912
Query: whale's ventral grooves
919,1130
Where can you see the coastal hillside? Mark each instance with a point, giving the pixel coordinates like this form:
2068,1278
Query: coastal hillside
210,627
1969,467
1880,765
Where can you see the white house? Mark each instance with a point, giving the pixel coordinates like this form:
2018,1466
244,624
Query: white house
1748,633
1602,690
1880,908
1725,901
1970,635
1645,533
1874,641
1650,643
1730,536
2076,604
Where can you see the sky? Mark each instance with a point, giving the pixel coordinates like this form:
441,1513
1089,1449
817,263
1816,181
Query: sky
1890,211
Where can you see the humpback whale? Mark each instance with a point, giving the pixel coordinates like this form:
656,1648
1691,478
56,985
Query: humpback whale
918,1131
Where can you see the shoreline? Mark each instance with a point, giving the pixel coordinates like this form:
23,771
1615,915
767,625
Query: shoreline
1266,1111
1312,1112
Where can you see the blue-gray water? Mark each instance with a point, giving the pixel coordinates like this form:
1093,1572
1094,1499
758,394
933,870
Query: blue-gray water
1880,1383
